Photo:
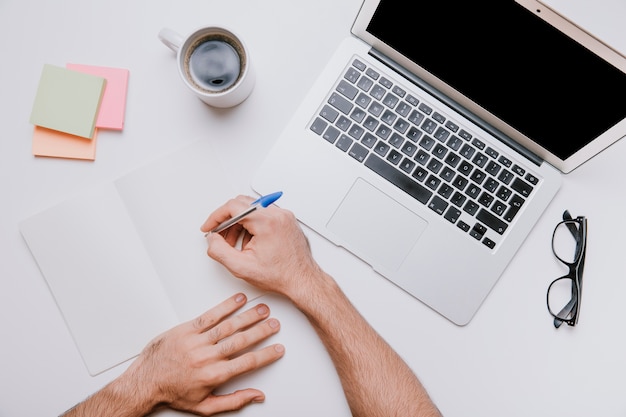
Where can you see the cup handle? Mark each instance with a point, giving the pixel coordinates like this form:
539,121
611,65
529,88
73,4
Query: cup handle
171,39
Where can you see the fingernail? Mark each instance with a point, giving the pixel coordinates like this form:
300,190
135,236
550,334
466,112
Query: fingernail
262,309
279,348
258,399
240,298
273,323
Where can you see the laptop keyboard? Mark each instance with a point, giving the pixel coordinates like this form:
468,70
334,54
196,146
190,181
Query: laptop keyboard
430,156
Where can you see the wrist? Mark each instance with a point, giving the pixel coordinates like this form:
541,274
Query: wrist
135,393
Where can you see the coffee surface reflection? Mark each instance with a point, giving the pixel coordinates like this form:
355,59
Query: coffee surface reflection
214,65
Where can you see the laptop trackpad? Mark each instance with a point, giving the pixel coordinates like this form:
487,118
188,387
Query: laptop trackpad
376,227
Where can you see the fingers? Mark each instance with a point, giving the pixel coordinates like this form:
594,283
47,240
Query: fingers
230,402
236,323
230,209
212,317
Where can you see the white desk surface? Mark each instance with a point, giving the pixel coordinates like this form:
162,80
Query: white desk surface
509,361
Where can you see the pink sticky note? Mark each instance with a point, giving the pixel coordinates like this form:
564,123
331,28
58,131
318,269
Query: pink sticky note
48,142
113,107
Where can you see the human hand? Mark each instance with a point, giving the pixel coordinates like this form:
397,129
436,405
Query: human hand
275,254
182,367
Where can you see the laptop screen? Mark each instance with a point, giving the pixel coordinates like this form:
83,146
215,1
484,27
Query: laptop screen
513,64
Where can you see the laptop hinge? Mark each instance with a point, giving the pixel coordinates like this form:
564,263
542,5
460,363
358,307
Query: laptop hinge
457,107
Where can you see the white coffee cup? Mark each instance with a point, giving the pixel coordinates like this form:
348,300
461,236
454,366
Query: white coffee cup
214,63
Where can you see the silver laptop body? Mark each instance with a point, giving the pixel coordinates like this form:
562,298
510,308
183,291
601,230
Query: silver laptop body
445,243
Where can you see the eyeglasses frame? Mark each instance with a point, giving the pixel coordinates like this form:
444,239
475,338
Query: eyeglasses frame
575,273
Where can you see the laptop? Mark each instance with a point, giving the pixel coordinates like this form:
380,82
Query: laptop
438,134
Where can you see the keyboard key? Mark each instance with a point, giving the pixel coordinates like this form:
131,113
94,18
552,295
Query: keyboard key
331,134
420,174
403,109
358,115
440,151
329,113
452,126
370,123
386,83
365,83
388,117
452,159
390,100
395,140
454,142
458,199
344,143
398,91
465,134
340,103
381,148
489,243
439,117
427,143
491,221
407,165
343,123
415,190
452,215
485,199
347,89
467,151
531,179
378,92
318,126
409,148
445,190
432,182
375,108
522,187
425,108
414,134
358,152
441,134
429,126
416,117
471,207
363,100
506,176
369,140
422,157
356,131
412,100
352,75
438,205
359,65
372,73
394,157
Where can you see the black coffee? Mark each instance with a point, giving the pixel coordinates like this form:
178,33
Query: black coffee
214,65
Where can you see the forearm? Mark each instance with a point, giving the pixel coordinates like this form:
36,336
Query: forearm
376,381
120,398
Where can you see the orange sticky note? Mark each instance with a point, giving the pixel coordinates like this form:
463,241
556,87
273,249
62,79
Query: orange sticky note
113,107
52,143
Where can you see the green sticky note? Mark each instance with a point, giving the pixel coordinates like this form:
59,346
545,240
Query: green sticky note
68,101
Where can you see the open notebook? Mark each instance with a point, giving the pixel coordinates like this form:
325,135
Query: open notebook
126,261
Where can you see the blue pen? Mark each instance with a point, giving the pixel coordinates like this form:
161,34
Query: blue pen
263,201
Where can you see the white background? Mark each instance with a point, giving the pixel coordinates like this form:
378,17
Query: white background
509,361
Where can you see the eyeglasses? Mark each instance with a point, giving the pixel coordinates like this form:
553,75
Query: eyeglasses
569,245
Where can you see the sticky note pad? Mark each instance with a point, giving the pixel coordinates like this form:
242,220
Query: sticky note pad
52,143
113,107
68,101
